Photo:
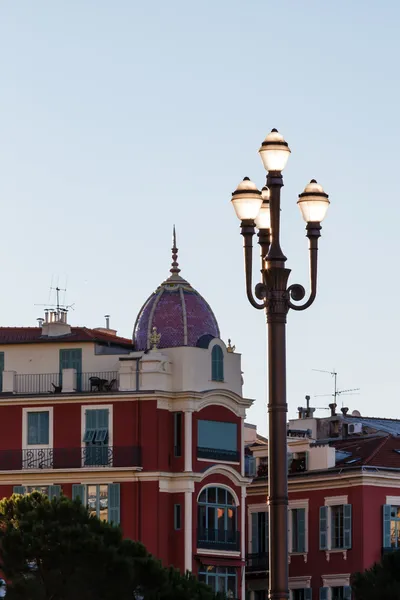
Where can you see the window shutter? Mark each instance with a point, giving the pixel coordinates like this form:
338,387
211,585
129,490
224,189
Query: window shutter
386,525
102,418
347,525
43,431
33,428
19,489
78,492
254,533
301,530
54,491
307,594
114,503
267,532
346,592
91,419
323,529
323,593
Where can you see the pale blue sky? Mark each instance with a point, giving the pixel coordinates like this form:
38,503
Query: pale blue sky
119,118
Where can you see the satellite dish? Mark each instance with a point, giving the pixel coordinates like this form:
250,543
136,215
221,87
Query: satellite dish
356,413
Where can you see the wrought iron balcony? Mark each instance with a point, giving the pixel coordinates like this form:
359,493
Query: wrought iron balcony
214,454
216,539
257,563
70,458
52,383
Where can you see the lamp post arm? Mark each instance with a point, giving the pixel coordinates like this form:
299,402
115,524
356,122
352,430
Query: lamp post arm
247,231
296,291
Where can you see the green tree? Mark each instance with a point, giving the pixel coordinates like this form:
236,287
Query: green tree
381,581
58,551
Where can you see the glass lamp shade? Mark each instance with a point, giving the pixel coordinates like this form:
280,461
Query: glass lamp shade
313,202
274,152
263,219
246,200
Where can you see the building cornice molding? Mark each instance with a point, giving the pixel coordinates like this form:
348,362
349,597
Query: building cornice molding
194,402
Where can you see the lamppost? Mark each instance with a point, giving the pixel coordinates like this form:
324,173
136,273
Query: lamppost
261,209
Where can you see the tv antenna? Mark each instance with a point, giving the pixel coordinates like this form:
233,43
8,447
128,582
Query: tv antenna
336,392
60,307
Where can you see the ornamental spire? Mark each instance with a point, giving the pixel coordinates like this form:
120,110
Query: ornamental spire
174,266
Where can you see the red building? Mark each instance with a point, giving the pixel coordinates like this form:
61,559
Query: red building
344,503
147,432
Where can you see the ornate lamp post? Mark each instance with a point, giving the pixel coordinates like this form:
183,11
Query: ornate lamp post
261,209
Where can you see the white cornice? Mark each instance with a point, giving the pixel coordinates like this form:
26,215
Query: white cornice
194,402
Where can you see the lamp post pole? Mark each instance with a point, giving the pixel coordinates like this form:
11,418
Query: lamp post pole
262,210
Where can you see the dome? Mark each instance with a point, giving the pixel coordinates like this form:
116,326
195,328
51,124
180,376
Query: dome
180,314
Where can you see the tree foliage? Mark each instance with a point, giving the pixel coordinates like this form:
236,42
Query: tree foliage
381,581
58,551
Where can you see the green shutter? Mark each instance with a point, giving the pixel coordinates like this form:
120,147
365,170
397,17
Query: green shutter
307,593
301,530
323,528
217,364
387,509
54,491
347,525
19,489
72,359
347,592
78,492
33,428
114,503
44,424
254,533
323,593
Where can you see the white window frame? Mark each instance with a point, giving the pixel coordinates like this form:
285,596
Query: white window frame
25,411
330,581
329,502
86,407
293,504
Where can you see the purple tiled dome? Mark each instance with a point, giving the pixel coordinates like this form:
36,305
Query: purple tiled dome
179,312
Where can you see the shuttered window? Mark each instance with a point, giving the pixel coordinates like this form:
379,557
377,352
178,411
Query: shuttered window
103,501
38,428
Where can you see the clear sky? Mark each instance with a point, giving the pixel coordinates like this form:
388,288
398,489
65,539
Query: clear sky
118,119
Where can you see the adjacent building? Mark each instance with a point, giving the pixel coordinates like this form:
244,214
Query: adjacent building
344,502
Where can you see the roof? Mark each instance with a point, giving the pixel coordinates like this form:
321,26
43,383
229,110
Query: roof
376,451
391,426
33,335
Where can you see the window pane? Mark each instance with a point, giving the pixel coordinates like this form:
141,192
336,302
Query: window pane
221,495
42,489
217,435
337,526
103,502
38,428
203,496
92,499
211,524
231,587
202,517
212,495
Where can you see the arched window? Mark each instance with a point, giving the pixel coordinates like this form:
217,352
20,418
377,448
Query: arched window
217,364
217,520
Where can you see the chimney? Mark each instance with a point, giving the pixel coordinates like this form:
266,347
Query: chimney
107,318
344,410
333,409
40,321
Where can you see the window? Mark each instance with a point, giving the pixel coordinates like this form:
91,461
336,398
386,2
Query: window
177,516
96,437
217,364
335,527
259,532
220,579
250,463
72,359
38,428
391,526
217,520
103,501
52,491
178,434
298,516
217,440
342,592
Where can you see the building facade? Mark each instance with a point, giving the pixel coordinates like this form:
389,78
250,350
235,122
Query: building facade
344,503
148,432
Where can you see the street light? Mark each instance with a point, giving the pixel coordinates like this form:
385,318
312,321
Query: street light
262,210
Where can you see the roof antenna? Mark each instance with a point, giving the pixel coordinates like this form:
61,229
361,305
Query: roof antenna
175,265
336,392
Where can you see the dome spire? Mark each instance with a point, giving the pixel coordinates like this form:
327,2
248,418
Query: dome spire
174,266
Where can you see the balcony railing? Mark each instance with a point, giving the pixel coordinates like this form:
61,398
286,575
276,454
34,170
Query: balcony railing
70,458
256,563
52,383
215,454
37,383
216,539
